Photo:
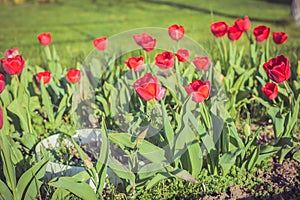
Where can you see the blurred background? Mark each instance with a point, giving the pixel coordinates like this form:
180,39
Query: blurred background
75,23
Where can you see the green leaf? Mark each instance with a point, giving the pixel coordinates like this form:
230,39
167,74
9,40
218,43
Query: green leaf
46,100
152,152
60,193
5,193
80,189
228,159
17,107
252,159
34,103
29,183
196,159
158,178
101,166
148,170
16,155
168,130
61,109
123,139
120,170
8,167
296,156
183,174
292,118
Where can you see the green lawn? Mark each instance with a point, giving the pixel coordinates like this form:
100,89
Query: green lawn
74,24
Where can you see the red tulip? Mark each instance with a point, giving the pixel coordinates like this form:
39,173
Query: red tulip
149,88
176,32
164,60
45,38
145,41
45,76
234,33
135,63
10,53
2,83
13,65
199,90
279,37
101,43
182,55
278,69
73,75
219,29
243,24
1,118
261,33
270,90
202,62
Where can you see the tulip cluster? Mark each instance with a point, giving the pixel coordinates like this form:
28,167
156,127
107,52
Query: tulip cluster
234,32
148,87
13,65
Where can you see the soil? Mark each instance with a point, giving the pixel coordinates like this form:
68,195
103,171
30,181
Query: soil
282,177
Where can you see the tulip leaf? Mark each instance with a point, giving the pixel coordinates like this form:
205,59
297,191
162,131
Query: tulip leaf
71,184
101,166
183,174
46,100
120,169
29,183
61,110
17,108
5,193
152,152
123,139
168,129
8,167
158,178
227,160
148,170
59,194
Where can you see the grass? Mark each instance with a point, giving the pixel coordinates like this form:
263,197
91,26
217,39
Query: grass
75,24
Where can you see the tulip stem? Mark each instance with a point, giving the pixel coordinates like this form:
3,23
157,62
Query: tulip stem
225,50
249,38
288,92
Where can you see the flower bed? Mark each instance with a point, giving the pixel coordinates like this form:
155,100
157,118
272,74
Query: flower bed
174,113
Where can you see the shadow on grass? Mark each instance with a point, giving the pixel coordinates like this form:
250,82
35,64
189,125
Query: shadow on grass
287,2
207,11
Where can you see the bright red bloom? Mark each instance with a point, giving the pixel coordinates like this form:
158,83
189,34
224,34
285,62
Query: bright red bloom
261,33
279,37
278,69
199,90
45,76
100,43
176,32
164,60
234,33
149,88
73,75
202,62
135,63
45,38
10,53
2,83
145,41
1,118
270,90
219,29
182,55
243,24
13,65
